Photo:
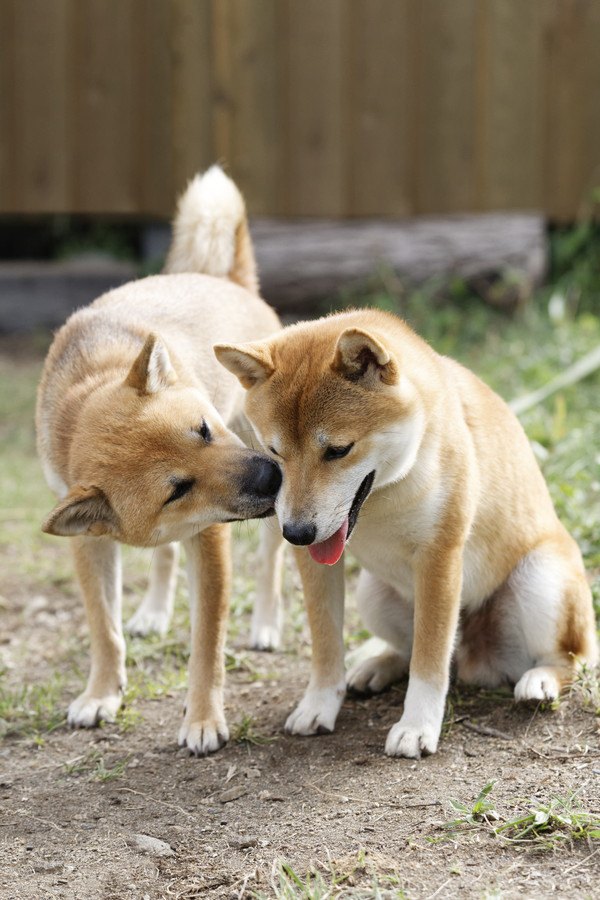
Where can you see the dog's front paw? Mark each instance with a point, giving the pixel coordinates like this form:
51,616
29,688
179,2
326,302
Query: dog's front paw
203,736
316,713
265,637
537,684
148,621
88,711
411,741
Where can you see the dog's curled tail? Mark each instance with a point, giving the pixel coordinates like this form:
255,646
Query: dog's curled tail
210,231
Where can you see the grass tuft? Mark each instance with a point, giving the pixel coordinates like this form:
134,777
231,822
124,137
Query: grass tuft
544,824
550,823
357,876
93,764
31,711
245,733
481,810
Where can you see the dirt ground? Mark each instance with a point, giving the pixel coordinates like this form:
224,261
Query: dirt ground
73,804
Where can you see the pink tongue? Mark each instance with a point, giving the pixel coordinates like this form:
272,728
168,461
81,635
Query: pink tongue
328,552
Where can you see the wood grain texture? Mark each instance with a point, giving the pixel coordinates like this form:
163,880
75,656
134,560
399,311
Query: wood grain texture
257,109
315,165
41,158
317,107
102,67
377,132
346,254
445,114
193,147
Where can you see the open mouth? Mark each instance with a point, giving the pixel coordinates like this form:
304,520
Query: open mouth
328,552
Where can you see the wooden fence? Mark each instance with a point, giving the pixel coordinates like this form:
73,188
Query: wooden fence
318,107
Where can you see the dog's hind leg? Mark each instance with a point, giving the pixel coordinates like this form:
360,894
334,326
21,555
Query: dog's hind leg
552,620
390,618
154,612
204,729
266,615
98,566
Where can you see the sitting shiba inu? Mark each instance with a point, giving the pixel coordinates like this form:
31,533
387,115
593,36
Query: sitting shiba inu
380,438
132,420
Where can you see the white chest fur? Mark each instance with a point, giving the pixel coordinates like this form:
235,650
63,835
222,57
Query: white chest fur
395,524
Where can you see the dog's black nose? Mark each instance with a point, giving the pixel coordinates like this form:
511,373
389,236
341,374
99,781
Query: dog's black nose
264,479
299,534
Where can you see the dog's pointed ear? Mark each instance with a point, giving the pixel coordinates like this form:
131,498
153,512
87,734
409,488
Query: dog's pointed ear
252,363
152,370
361,357
85,510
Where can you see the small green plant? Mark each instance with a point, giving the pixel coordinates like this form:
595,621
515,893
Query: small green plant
103,773
545,824
288,885
31,711
245,733
358,877
587,688
552,822
480,811
94,766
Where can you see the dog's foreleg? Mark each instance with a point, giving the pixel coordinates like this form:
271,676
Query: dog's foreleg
266,615
154,612
438,578
98,566
204,729
324,597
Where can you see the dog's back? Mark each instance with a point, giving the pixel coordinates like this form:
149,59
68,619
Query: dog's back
209,274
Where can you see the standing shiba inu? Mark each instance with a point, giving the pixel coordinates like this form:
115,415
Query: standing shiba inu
381,438
132,429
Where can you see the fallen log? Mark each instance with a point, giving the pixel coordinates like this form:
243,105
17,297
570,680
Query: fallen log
302,262
307,260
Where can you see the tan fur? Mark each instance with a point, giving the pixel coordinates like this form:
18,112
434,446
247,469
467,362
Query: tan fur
458,518
129,387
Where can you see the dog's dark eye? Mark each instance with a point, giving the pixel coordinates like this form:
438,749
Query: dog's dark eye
337,452
204,432
180,489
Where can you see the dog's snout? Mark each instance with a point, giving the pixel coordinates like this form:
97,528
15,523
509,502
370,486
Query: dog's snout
299,534
263,478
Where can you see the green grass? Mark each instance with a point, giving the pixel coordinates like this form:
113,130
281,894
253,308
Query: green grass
245,732
31,710
357,877
586,688
543,824
93,765
480,810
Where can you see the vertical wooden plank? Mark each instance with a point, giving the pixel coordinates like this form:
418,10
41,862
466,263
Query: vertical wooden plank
193,144
591,109
255,87
102,66
152,107
223,90
8,195
40,105
316,180
377,134
445,106
572,133
509,108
